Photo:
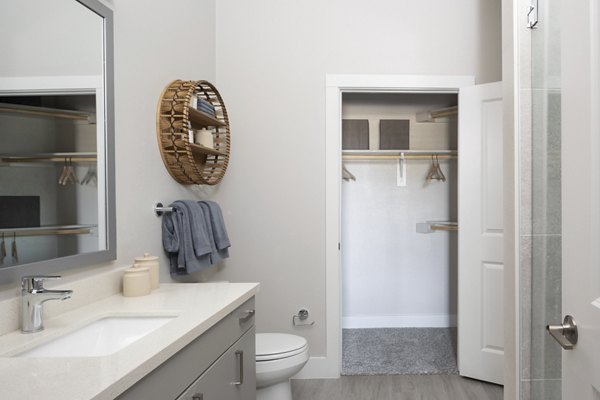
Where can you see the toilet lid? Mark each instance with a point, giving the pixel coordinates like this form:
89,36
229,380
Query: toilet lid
272,346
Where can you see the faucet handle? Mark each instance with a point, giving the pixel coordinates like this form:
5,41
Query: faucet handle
36,282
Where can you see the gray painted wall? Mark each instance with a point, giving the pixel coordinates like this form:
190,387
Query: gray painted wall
49,38
270,68
271,64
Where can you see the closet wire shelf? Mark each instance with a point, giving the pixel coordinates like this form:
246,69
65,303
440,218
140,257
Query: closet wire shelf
436,226
397,154
48,230
84,116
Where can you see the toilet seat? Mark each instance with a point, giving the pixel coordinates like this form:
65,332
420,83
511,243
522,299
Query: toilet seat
277,346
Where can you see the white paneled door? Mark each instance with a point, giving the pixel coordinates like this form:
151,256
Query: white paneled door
580,68
481,233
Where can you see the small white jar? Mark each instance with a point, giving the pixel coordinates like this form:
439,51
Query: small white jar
150,262
136,282
204,137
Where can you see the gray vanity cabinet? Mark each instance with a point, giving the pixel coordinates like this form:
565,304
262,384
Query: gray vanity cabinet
220,364
231,377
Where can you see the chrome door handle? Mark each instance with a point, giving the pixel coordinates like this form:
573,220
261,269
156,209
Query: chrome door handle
198,396
565,334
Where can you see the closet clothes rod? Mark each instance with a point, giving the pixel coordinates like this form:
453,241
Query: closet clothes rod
49,157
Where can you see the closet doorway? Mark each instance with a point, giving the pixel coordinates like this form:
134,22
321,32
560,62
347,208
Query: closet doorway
399,233
391,239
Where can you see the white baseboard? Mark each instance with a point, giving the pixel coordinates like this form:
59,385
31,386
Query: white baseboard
400,321
319,368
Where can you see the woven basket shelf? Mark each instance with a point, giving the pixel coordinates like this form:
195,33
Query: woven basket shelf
187,162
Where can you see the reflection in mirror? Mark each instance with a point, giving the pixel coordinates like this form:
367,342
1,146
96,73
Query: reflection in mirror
49,194
56,136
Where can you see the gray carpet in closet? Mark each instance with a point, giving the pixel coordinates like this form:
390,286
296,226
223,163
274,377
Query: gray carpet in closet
403,351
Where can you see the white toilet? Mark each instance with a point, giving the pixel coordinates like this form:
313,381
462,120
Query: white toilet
279,356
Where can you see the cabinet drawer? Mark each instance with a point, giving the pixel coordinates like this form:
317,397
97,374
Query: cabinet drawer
172,377
231,377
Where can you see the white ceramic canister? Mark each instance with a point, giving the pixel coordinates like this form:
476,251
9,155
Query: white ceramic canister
205,138
136,282
150,262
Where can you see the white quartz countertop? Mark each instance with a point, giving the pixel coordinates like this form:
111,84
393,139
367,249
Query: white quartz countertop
198,306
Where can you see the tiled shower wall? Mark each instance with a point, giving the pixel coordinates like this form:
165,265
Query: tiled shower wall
540,227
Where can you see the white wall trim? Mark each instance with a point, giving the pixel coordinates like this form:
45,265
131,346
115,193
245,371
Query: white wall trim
399,321
398,83
512,64
330,365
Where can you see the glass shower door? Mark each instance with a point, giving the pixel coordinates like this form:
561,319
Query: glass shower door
541,356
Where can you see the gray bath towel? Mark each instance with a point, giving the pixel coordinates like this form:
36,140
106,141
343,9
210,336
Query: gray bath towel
194,236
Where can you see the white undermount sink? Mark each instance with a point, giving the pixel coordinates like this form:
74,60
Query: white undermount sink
100,338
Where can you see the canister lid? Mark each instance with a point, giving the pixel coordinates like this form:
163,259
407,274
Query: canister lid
146,257
138,268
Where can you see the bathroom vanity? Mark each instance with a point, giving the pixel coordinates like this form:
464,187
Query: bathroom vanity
220,364
205,350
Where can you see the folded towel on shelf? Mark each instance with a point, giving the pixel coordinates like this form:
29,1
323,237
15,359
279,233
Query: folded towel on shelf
205,106
194,236
204,102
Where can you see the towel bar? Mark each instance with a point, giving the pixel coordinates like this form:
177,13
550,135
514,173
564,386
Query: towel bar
159,209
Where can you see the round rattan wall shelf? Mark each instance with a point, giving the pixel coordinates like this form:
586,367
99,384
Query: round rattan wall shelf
176,122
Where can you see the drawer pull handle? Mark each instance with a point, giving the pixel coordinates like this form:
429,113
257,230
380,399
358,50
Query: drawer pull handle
248,314
198,396
239,358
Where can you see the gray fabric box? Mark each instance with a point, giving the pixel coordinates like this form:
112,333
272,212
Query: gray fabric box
19,211
355,134
394,134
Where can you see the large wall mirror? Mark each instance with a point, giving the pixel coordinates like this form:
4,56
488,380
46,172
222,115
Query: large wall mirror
57,198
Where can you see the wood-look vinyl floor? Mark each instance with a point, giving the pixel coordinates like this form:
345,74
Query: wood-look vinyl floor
396,387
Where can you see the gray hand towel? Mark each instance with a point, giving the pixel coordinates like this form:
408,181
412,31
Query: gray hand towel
170,239
217,232
186,238
218,225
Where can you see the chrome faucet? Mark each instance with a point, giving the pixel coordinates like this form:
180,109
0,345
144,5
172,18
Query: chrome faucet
33,296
